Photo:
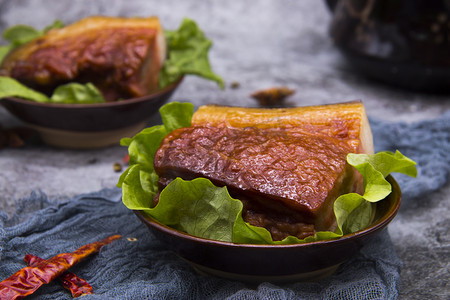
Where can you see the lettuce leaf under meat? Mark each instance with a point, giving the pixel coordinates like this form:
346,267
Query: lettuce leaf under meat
67,93
199,208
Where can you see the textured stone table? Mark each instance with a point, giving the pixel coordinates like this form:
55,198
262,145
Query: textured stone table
258,44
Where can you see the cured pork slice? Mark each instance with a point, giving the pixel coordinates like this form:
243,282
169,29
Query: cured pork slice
287,173
120,56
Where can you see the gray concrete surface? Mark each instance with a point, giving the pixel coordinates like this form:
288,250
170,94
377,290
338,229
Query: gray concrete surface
259,44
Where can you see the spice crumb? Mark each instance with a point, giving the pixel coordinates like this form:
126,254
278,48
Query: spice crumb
117,167
272,96
235,85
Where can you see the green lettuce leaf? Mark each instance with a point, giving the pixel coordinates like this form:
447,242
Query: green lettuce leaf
77,93
187,54
353,212
10,87
184,201
4,50
68,93
139,182
199,208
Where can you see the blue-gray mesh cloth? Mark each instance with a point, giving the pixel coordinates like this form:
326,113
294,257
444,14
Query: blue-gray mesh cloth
141,267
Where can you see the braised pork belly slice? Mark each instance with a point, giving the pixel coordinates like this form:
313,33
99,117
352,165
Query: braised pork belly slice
122,57
286,178
345,121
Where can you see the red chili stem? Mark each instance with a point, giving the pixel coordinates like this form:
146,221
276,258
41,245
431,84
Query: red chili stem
76,285
126,159
27,280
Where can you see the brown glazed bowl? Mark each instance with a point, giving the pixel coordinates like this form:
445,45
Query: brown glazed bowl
274,263
83,126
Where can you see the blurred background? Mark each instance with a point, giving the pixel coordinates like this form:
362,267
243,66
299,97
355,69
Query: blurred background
257,45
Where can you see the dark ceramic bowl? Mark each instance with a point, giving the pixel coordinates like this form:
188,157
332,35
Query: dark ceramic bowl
275,263
88,125
401,43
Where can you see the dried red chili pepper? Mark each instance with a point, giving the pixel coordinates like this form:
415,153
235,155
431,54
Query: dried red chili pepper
76,285
27,280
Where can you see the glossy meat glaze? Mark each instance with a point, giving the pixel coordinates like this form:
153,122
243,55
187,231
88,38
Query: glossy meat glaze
284,173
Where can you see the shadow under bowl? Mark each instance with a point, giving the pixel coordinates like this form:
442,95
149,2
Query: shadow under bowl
274,263
83,126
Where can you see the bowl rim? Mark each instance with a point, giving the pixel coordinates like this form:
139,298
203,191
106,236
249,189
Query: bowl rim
112,104
378,225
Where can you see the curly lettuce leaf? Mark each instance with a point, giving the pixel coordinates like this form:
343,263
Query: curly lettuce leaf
353,211
4,50
77,93
139,182
199,208
68,93
10,87
184,201
187,54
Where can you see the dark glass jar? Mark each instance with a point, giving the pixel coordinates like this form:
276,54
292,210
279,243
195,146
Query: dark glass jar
401,42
